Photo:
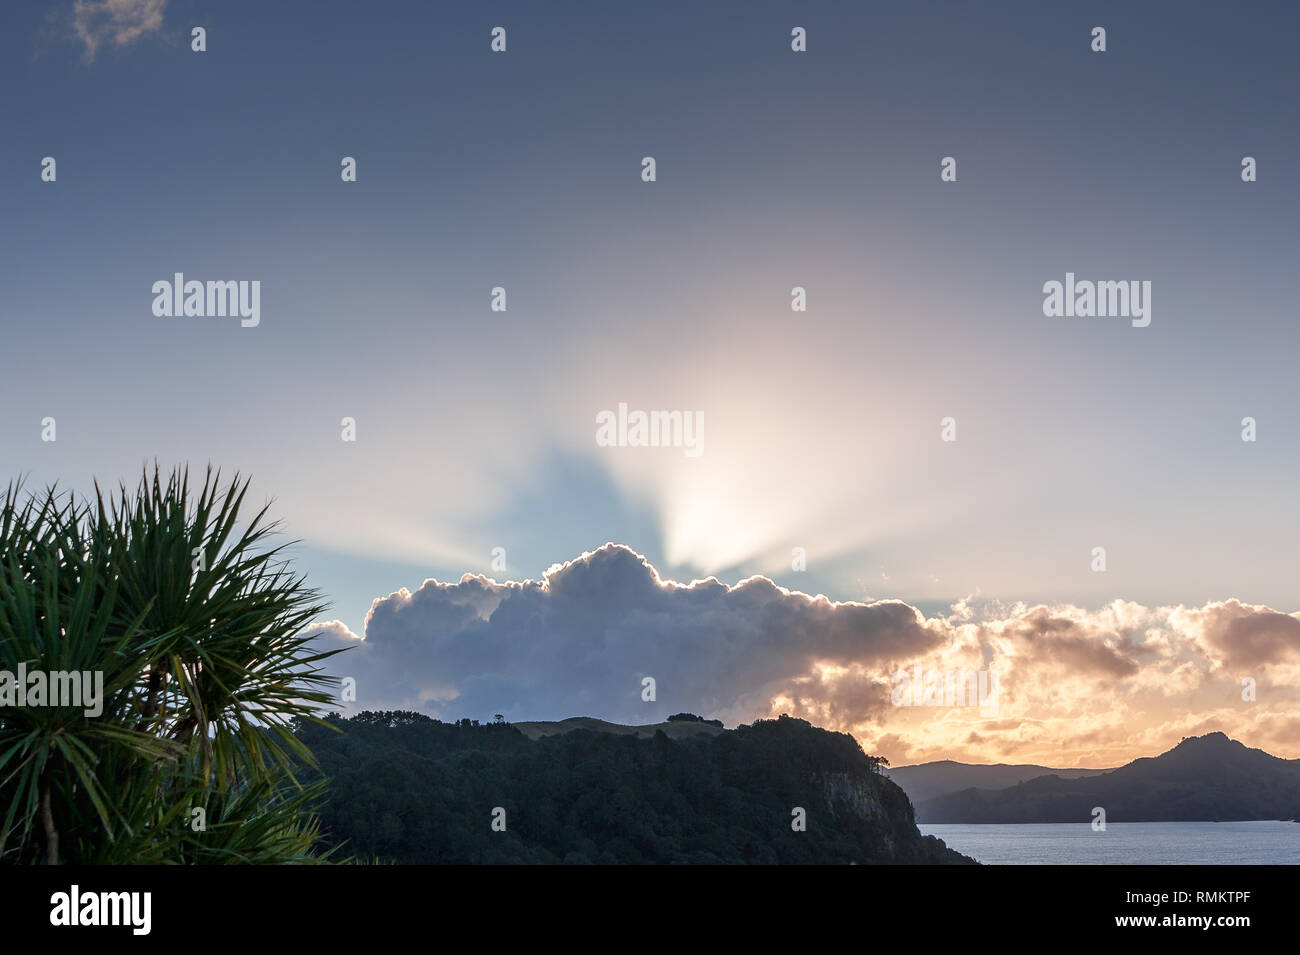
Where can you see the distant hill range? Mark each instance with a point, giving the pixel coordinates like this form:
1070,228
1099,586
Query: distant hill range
673,728
925,781
402,787
1203,779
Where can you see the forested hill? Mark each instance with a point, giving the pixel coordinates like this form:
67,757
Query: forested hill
405,788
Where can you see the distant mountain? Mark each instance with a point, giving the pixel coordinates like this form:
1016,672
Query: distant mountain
924,781
1202,779
675,729
405,788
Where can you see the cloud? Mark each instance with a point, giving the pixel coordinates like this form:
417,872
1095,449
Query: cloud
586,635
1050,639
118,22
1076,687
1239,635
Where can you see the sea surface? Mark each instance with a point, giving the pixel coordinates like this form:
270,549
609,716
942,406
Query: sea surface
1126,843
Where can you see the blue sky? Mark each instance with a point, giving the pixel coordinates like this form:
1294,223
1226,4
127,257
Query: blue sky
775,169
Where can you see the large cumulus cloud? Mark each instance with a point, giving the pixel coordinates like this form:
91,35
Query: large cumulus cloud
582,639
1076,686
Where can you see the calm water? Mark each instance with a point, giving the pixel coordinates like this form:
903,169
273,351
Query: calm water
1126,843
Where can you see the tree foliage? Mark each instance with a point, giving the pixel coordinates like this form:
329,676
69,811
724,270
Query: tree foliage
194,621
406,788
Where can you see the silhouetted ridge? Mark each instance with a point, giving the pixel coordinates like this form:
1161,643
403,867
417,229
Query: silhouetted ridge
1204,778
405,788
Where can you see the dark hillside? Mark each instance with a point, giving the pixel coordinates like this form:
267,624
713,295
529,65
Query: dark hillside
405,788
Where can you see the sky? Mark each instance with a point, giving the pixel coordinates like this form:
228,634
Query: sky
475,429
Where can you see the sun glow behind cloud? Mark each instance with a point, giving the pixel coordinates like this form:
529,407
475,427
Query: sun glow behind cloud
799,450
